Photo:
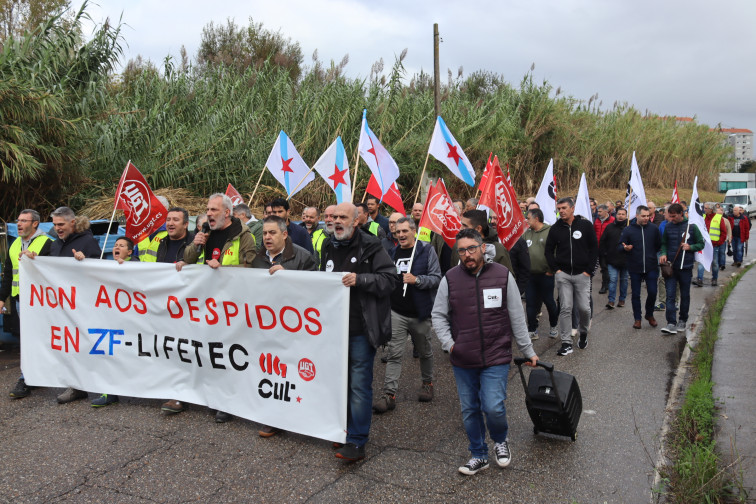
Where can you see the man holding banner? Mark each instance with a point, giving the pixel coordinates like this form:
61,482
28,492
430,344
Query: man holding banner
371,277
227,243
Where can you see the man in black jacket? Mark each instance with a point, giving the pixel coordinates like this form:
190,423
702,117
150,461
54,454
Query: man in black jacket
298,235
571,251
614,258
371,277
74,240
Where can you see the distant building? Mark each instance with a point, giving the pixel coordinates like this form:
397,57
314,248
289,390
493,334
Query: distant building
741,141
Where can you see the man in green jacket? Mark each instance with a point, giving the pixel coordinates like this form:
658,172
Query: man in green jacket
540,287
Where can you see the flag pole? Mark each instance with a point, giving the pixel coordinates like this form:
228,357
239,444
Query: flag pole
115,205
356,166
256,185
300,183
409,268
420,185
687,230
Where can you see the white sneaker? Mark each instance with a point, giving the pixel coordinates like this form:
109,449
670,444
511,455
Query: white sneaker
533,335
554,332
503,455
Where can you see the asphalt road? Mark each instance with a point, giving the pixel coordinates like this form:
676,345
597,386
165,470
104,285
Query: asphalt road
130,452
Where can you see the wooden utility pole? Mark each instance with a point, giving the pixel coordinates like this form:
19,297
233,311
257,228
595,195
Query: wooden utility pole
436,72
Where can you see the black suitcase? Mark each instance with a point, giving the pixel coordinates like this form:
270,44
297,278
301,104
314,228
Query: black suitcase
553,399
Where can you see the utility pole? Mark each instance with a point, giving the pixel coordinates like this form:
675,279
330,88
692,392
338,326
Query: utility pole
436,72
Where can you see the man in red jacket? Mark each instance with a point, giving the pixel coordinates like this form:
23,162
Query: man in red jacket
600,224
741,230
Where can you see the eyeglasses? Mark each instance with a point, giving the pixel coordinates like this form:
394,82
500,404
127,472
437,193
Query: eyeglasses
468,250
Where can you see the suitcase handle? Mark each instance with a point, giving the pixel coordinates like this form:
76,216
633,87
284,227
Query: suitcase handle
519,361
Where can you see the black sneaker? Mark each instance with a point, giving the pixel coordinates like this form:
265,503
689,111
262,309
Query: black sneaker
565,350
223,417
351,452
20,390
503,455
104,400
473,466
583,340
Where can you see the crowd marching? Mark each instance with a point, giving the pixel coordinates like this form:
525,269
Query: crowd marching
477,297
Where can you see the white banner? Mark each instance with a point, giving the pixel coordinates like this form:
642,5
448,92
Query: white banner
270,348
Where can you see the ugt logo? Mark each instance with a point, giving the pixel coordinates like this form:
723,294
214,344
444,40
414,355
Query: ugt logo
267,388
444,216
137,197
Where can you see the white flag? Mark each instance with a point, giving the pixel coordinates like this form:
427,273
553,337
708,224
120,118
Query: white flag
334,168
636,194
583,203
378,159
546,197
445,148
695,216
285,163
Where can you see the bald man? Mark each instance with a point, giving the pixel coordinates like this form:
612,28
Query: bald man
370,274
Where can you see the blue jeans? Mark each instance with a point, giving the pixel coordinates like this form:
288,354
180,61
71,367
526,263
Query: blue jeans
614,273
723,255
540,290
483,390
683,277
360,389
737,249
719,251
652,278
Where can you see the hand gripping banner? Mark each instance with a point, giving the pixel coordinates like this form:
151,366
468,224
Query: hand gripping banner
270,348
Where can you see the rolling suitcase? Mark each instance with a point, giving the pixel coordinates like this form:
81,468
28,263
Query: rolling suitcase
553,399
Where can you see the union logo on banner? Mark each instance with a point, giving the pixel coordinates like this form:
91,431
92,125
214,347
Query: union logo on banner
144,212
232,193
500,197
440,215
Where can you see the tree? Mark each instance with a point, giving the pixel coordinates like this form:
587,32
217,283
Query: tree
748,167
241,48
18,16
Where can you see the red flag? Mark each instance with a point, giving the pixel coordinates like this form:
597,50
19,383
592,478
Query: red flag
392,198
500,197
440,214
144,212
232,193
484,177
675,196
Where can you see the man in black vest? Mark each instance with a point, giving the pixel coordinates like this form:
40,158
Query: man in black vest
411,307
371,277
477,314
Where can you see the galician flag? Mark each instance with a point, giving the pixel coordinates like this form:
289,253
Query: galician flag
445,148
546,197
285,163
696,217
583,203
334,168
636,194
375,155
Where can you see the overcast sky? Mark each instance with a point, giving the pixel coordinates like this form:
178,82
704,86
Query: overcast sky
683,58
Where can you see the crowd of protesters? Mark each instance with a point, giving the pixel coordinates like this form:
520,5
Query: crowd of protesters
477,297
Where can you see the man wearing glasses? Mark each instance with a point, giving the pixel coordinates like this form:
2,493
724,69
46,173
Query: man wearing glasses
31,242
477,315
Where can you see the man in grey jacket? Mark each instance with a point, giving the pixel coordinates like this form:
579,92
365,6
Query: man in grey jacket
477,315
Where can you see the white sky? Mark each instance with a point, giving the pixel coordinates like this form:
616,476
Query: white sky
671,57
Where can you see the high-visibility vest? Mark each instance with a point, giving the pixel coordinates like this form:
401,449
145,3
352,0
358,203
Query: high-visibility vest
231,255
150,253
714,225
424,234
318,237
373,227
15,250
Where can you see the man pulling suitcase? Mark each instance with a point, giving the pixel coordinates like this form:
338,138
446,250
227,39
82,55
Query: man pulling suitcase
477,314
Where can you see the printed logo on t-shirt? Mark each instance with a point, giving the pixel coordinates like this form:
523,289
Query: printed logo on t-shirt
402,265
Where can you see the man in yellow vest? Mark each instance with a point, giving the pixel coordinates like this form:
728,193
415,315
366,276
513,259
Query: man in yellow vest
370,227
321,233
718,234
31,242
229,243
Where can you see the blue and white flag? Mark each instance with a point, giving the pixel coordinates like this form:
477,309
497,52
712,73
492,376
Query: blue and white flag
285,163
334,168
445,148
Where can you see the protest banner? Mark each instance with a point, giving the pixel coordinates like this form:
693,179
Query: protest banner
269,348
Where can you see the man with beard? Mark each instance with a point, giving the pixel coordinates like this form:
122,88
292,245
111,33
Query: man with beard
320,235
31,241
229,244
640,242
371,277
614,258
477,314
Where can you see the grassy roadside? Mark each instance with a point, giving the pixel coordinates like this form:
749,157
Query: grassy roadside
695,474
